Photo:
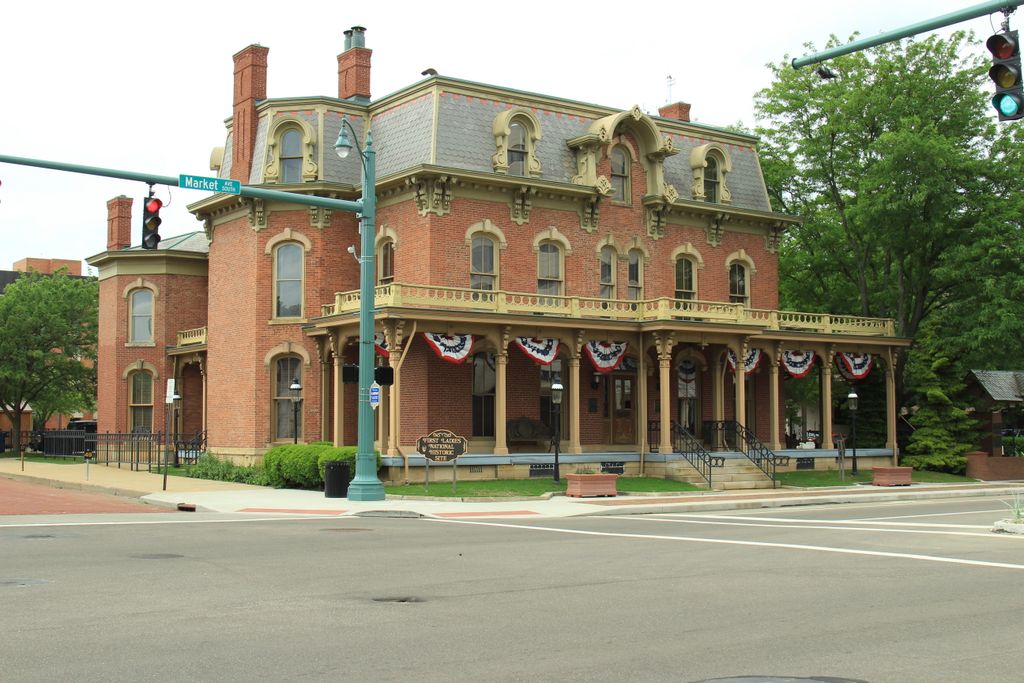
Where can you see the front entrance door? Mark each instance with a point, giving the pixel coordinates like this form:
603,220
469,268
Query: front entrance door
623,409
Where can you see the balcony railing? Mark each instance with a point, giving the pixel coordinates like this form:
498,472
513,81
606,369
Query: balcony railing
457,298
196,335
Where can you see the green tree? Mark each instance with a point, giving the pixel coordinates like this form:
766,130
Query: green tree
891,166
944,431
48,335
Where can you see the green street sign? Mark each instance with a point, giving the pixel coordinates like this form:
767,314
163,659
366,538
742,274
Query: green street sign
198,182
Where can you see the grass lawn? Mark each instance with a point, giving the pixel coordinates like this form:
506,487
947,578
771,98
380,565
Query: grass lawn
831,477
526,487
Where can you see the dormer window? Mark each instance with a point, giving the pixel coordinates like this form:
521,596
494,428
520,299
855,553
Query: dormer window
291,157
516,134
517,149
620,175
711,180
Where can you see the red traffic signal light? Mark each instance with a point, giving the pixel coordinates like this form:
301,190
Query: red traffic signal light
151,222
1006,74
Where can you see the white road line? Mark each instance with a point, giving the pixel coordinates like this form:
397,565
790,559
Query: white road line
32,525
793,520
757,544
647,518
930,514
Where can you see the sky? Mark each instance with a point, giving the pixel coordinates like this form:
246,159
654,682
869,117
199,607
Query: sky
147,87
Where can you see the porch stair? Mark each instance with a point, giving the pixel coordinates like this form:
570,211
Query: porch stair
739,473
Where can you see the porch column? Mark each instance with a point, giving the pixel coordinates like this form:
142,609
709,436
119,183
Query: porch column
394,405
500,403
826,400
339,394
575,445
773,398
740,377
890,408
383,416
202,371
665,396
717,398
641,392
325,383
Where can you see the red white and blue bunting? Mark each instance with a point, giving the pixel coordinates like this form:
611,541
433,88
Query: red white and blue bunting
380,345
544,351
798,363
853,366
454,348
605,356
750,363
687,372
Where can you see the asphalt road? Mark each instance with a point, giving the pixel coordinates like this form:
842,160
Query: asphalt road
896,592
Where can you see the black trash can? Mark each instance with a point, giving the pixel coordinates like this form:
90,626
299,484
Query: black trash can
3,441
335,479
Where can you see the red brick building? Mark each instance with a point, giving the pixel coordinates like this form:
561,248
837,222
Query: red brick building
519,237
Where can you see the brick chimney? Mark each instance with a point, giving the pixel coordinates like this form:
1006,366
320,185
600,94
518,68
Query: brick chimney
680,111
354,67
250,87
119,223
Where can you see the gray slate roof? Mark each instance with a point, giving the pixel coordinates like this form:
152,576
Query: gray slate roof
1001,385
190,241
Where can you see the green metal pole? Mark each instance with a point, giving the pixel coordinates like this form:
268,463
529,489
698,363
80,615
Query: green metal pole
981,10
366,485
153,179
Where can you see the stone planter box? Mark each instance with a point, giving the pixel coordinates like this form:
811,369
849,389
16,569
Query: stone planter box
891,476
590,485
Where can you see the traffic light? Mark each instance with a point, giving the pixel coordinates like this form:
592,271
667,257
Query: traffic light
151,221
1006,74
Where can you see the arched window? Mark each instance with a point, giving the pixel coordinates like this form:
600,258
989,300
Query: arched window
686,283
738,292
291,156
620,175
141,316
288,281
286,421
386,263
517,149
483,272
140,402
607,257
711,180
549,271
484,382
636,275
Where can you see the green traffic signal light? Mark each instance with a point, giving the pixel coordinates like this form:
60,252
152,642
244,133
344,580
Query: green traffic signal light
1006,74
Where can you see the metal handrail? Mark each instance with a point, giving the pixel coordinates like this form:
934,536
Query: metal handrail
687,445
731,434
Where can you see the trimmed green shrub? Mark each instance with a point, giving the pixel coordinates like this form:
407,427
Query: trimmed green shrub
210,467
302,466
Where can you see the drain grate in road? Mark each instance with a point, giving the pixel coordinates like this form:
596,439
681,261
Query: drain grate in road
37,536
405,599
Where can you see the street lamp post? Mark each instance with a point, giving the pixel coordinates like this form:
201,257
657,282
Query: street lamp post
556,400
365,485
851,403
296,393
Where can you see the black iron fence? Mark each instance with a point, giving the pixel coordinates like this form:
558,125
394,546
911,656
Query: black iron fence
137,450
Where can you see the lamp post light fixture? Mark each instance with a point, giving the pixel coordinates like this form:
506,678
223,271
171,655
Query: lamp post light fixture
296,392
851,403
556,399
365,485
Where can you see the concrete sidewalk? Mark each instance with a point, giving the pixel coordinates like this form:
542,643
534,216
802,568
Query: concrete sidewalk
218,496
